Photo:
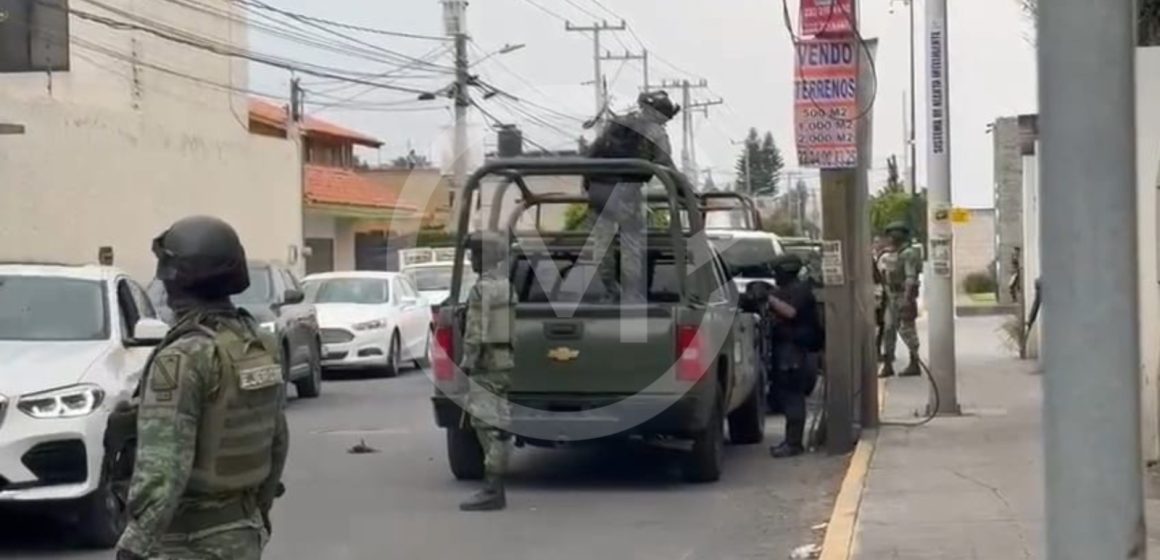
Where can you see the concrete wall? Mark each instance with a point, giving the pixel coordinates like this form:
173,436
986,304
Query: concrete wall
974,245
115,151
318,225
1032,248
1148,181
1008,160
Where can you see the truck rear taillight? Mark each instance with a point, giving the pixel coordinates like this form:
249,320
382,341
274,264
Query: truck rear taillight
442,362
691,359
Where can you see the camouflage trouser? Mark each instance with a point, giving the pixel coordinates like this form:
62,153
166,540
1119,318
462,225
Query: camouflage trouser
619,206
898,325
490,416
236,544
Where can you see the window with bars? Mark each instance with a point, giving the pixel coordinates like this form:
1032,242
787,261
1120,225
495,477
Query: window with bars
34,35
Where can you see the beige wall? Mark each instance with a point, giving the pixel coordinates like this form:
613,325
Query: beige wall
974,245
105,162
1148,172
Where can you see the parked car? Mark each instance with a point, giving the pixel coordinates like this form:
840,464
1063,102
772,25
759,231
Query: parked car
276,300
370,320
73,343
433,280
748,255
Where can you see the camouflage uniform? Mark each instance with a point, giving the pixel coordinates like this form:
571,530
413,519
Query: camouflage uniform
900,269
174,515
488,358
621,203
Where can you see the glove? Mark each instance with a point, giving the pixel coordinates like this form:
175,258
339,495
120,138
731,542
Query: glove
123,554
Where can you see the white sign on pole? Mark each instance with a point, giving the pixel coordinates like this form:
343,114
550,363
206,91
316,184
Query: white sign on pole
833,271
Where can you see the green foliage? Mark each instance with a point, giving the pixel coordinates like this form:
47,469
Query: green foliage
760,172
574,216
979,282
887,207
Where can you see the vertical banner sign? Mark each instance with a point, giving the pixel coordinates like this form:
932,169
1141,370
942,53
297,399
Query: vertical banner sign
826,17
826,103
938,149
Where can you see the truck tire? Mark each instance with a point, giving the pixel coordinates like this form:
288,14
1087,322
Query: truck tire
310,387
102,515
747,423
706,460
464,454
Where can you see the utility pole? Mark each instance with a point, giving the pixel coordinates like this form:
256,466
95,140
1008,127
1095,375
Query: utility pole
939,281
643,57
688,156
703,108
1091,422
455,19
596,28
294,133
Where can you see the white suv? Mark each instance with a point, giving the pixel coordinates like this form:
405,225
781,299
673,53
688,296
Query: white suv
73,343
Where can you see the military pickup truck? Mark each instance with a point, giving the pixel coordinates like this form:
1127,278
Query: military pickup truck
679,367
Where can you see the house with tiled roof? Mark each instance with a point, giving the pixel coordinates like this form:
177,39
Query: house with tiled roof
338,202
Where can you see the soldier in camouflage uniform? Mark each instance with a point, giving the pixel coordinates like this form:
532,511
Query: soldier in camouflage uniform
211,432
488,359
619,202
900,267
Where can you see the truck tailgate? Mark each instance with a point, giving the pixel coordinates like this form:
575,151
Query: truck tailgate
584,353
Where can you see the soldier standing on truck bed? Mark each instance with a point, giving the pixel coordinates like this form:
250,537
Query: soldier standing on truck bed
637,135
488,360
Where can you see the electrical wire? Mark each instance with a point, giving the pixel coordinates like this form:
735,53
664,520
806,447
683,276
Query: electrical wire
498,123
359,28
546,10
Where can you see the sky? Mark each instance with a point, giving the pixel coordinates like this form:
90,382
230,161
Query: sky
741,47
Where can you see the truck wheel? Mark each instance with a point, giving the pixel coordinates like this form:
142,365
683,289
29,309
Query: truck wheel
310,386
464,454
747,423
706,461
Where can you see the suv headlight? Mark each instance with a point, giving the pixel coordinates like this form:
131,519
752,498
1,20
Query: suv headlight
69,402
369,325
269,327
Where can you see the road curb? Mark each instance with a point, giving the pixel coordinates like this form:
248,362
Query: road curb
839,541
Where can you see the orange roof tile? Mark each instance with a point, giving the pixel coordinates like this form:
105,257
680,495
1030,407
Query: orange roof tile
334,185
274,115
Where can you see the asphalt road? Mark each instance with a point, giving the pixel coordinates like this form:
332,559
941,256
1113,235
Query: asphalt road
401,501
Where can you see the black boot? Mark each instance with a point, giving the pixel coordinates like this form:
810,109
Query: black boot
490,498
912,369
785,450
887,367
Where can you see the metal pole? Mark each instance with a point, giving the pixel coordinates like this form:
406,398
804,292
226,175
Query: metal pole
1091,345
601,100
462,102
645,63
939,282
913,111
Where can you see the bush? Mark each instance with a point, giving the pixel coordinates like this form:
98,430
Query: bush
979,283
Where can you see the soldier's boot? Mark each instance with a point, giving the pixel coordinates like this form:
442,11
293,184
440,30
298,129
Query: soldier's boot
491,498
912,369
887,367
787,449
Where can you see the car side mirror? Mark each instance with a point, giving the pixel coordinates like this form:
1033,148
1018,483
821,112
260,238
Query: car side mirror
149,332
293,297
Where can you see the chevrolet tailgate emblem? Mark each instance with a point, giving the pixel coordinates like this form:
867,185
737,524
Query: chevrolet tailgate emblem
563,354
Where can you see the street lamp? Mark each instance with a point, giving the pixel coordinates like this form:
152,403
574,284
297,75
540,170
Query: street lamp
508,48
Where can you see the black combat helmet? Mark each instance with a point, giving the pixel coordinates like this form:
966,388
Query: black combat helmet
659,101
900,227
201,255
788,265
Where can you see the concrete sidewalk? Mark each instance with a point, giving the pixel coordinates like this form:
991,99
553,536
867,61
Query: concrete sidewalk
968,487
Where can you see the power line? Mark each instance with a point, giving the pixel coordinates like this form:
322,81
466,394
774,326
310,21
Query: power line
350,27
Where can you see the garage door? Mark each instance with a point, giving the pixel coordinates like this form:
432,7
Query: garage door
321,257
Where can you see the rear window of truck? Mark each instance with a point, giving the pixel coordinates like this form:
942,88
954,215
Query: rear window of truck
559,280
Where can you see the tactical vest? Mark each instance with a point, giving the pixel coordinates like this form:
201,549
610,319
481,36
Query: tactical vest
235,435
893,270
498,305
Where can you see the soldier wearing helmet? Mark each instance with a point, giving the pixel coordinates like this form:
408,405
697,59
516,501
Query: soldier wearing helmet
618,201
900,268
488,360
795,335
211,431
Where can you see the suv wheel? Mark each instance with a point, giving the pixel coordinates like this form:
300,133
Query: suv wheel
310,386
394,365
706,460
103,515
464,454
747,423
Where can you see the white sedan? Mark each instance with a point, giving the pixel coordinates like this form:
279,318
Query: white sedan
73,343
369,320
433,280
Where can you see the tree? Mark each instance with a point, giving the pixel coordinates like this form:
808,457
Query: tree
759,165
411,161
889,206
1148,21
710,185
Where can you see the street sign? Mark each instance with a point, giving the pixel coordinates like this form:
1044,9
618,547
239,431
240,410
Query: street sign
826,17
833,272
826,103
960,216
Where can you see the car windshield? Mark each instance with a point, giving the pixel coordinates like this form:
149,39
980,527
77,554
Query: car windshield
746,258
261,288
48,308
431,279
347,290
